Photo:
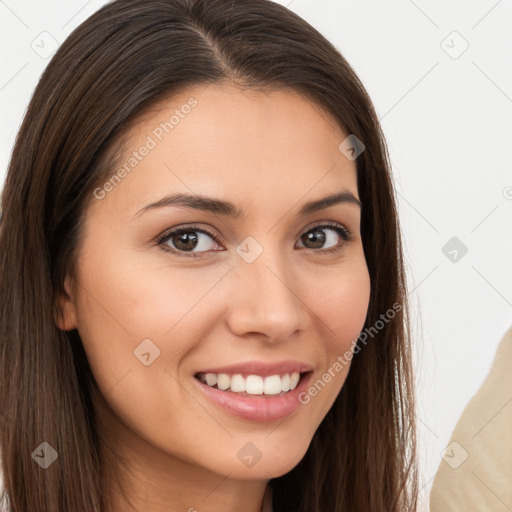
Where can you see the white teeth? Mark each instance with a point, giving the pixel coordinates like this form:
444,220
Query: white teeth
294,380
273,385
237,383
285,382
223,381
211,379
253,384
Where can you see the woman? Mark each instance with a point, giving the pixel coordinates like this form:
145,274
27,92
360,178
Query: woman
203,296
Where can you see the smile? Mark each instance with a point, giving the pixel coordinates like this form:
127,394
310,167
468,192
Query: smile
246,398
252,384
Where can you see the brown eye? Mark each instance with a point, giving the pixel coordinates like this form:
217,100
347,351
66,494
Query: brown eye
325,237
189,240
185,241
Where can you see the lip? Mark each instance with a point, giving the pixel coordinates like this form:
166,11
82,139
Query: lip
261,368
262,408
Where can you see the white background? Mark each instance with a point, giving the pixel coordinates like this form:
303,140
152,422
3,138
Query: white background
448,125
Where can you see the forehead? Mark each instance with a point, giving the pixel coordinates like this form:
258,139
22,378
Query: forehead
227,141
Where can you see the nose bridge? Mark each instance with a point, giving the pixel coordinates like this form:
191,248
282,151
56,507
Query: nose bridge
264,299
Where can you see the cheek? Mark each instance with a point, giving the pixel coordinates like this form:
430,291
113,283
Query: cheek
126,301
342,304
144,296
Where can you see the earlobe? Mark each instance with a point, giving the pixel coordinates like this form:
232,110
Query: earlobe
66,313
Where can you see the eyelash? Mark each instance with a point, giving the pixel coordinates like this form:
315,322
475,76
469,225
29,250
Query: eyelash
344,233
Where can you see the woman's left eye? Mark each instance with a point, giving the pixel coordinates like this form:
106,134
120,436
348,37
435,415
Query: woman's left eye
317,237
197,242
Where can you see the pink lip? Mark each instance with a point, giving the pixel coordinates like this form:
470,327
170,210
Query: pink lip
261,368
257,407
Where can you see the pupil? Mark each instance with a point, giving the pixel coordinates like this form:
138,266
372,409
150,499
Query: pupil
316,237
185,237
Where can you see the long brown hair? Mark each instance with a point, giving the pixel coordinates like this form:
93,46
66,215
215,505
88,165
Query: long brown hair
118,63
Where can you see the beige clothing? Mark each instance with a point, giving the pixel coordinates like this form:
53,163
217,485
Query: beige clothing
475,474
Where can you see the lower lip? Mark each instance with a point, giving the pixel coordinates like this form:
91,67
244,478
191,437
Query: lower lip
257,407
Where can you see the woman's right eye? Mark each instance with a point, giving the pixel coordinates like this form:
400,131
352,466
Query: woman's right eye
191,240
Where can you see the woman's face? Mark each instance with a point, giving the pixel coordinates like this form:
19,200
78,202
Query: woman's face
262,285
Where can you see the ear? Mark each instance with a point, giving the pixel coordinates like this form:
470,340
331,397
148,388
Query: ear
66,316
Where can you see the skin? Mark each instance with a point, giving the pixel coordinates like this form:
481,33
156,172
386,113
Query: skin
267,152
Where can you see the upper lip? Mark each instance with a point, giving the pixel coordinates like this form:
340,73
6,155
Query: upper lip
261,368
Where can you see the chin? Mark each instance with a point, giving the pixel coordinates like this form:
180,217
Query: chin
261,458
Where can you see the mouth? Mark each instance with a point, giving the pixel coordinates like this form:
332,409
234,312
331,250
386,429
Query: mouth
253,385
253,397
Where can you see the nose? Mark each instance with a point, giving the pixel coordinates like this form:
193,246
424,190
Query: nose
264,300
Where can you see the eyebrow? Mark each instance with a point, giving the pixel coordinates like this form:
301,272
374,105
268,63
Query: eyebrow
226,208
